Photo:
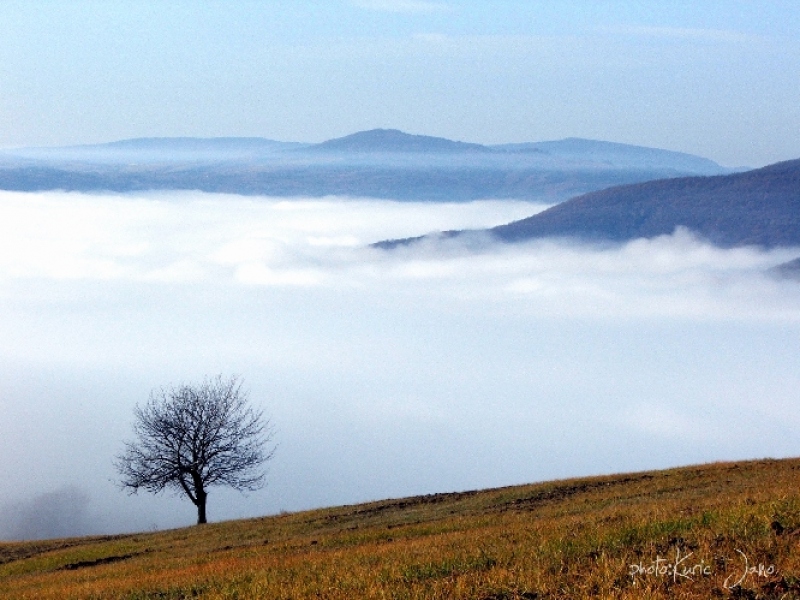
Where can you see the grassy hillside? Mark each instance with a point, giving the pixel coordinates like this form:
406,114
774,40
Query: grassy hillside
617,536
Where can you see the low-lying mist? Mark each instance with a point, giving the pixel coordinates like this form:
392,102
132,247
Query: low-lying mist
442,366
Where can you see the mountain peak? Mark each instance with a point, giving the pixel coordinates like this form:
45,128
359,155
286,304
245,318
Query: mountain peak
394,140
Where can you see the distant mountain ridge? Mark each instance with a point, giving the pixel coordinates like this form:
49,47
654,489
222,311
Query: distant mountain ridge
617,153
194,143
161,150
381,163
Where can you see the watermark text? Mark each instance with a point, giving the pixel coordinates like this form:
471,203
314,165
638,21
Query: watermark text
684,567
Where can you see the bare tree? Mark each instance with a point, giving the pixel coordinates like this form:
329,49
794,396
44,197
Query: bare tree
192,437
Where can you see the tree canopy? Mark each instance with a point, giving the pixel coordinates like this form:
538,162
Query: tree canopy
191,437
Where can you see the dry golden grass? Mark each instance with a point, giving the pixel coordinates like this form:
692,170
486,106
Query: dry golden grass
604,537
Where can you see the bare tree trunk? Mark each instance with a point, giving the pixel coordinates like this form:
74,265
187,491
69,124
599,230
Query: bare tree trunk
200,495
201,508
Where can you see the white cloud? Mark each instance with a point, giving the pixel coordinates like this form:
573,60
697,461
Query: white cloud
195,236
182,238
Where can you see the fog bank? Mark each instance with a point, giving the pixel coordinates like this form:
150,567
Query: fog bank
435,368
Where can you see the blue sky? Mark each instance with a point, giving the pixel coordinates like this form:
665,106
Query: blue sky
715,78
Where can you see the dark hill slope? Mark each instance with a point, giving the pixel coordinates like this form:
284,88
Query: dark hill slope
759,207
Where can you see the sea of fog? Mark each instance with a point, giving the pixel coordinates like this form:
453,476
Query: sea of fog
439,367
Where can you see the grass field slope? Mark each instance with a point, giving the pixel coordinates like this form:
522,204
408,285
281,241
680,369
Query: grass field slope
725,530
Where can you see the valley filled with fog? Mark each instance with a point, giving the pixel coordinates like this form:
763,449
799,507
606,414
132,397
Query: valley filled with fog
443,366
